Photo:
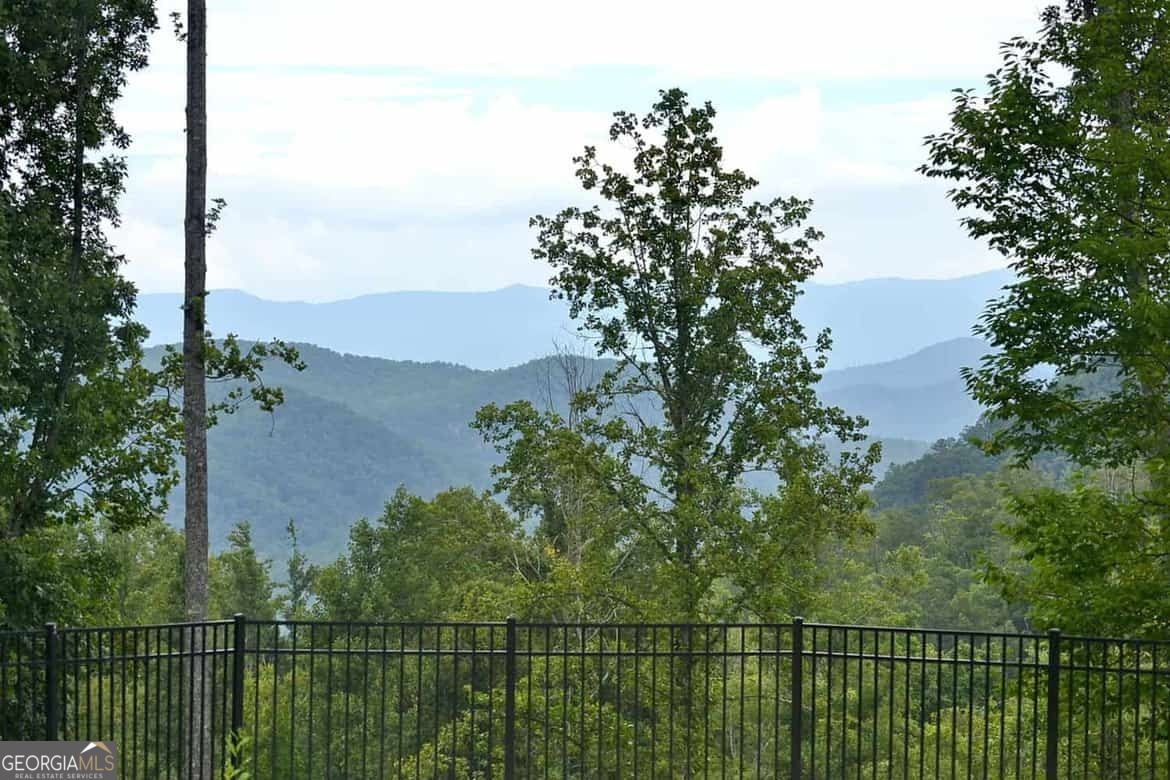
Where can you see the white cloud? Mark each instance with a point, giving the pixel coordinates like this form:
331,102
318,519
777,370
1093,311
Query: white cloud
787,38
351,181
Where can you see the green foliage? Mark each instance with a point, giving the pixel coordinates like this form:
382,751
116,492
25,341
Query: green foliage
240,581
926,563
591,564
240,366
909,483
300,576
148,587
82,432
674,277
1096,558
60,574
89,574
960,534
449,557
1067,178
239,758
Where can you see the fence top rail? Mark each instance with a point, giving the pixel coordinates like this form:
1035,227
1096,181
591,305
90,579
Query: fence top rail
771,627
1076,639
37,633
180,627
645,629
954,633
527,625
9,635
395,624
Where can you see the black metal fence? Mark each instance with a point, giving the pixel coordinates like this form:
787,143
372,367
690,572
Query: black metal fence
519,700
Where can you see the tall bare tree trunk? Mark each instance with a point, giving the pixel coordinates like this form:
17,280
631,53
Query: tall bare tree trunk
194,384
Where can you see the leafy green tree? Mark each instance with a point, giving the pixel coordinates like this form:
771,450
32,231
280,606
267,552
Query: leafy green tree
148,584
691,288
1067,177
1062,168
1095,561
82,432
593,566
241,581
88,433
61,573
458,555
300,575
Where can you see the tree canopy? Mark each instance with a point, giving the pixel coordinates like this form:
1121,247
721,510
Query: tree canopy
1064,168
690,286
82,431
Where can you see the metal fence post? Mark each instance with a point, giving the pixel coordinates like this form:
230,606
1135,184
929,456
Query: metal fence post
238,675
1053,722
510,701
796,725
52,683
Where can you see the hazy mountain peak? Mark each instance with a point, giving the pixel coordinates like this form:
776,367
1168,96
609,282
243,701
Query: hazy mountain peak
871,321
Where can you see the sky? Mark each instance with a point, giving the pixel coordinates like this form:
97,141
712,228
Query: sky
365,146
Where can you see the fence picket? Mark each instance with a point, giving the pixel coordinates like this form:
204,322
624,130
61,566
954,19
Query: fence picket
761,701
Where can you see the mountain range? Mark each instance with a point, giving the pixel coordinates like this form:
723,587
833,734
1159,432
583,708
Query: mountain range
355,428
872,321
394,379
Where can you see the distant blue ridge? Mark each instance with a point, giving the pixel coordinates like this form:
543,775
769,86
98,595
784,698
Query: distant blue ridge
872,321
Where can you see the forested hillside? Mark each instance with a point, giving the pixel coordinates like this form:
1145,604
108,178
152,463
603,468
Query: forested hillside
353,429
